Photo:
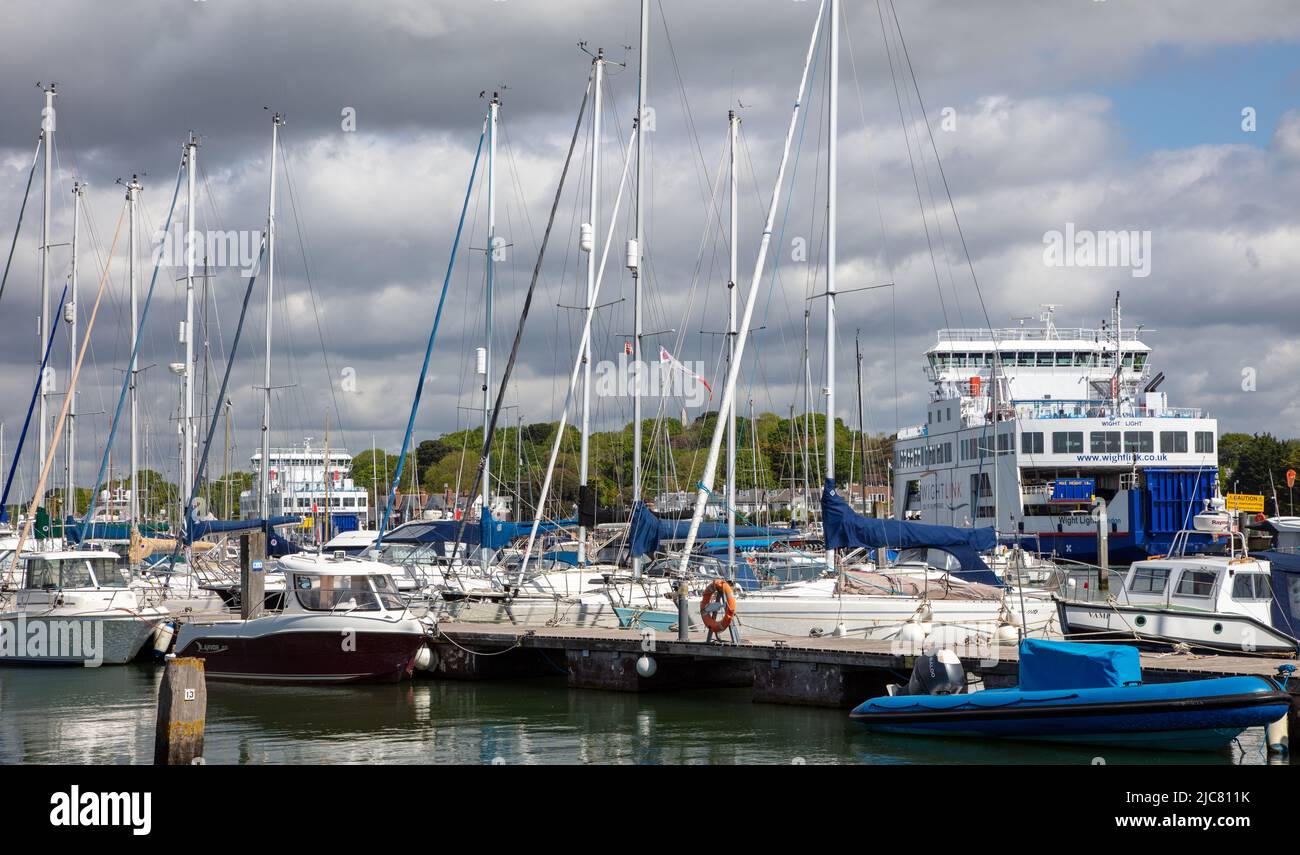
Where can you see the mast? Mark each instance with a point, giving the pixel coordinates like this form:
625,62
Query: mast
862,436
187,424
729,389
733,124
494,107
70,315
832,214
634,255
133,197
47,132
264,471
324,533
593,211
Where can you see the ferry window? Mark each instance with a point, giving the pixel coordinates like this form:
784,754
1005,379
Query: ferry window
1139,361
1031,443
1204,442
1063,359
1138,442
1045,359
959,360
1196,583
1067,442
1251,586
1128,360
1108,360
1149,580
1173,441
1083,358
1105,442
1024,358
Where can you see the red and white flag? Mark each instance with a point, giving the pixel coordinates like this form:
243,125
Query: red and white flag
627,348
666,358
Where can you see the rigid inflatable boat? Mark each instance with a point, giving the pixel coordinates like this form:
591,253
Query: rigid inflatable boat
1080,693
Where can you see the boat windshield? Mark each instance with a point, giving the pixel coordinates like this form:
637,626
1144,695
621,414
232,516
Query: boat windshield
52,573
936,558
346,593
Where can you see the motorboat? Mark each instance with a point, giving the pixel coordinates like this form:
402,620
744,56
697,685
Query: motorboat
1074,692
343,622
76,607
1209,593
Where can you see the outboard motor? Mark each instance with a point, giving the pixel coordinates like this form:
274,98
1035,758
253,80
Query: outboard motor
937,673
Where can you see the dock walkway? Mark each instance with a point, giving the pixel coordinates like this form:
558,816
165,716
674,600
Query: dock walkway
827,671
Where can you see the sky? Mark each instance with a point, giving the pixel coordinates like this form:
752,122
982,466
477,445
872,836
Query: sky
1176,120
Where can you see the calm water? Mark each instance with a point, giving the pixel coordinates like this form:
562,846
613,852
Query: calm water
106,715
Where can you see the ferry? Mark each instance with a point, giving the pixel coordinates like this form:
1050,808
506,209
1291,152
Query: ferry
1064,426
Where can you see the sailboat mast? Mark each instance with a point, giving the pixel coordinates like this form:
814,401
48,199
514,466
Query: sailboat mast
70,315
132,198
593,213
832,214
264,471
191,240
493,108
47,131
634,255
733,124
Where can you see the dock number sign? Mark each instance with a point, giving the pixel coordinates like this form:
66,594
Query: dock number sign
1245,502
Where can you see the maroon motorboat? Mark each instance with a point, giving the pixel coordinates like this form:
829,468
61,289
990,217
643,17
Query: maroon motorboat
343,622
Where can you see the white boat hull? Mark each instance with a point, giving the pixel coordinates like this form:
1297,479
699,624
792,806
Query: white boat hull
1219,632
88,640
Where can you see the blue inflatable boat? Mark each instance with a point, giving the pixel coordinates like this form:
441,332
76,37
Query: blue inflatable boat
1080,693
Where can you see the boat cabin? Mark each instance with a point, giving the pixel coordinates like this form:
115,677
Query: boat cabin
338,584
87,578
1225,579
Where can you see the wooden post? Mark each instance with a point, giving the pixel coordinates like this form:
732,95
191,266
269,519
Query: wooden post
182,710
252,580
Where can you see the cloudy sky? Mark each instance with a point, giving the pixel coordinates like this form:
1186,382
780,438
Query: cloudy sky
1181,119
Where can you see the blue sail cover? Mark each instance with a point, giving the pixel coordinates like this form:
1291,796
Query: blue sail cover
498,533
649,531
846,529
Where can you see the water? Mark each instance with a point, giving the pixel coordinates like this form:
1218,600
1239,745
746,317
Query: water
106,715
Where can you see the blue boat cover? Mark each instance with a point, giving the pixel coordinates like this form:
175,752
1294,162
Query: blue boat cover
1049,665
845,528
1285,568
202,528
648,531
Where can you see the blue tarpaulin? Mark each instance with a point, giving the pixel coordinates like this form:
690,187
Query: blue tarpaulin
1050,665
845,528
649,531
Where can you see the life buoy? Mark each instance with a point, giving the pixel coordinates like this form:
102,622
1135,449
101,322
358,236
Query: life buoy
720,588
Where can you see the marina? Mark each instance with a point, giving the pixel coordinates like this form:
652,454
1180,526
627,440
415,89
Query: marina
697,392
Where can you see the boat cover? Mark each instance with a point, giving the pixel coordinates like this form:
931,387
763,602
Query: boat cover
846,528
1285,569
648,531
1047,665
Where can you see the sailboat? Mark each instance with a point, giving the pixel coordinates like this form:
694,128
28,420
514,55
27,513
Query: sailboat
940,587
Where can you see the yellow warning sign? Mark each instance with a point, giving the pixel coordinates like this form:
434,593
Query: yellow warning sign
1245,502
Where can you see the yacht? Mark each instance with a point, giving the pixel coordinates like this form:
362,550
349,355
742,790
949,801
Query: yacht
76,607
1213,597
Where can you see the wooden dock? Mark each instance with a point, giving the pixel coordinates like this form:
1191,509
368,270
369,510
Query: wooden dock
829,672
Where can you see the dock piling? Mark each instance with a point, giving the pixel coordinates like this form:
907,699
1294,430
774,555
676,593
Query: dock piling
182,711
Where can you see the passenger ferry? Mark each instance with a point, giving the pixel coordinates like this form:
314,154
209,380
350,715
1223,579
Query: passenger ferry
1079,418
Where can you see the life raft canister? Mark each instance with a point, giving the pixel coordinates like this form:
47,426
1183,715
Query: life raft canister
719,588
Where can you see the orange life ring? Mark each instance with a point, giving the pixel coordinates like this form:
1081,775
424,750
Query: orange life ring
719,588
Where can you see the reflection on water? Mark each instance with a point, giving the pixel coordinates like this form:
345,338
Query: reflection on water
106,715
